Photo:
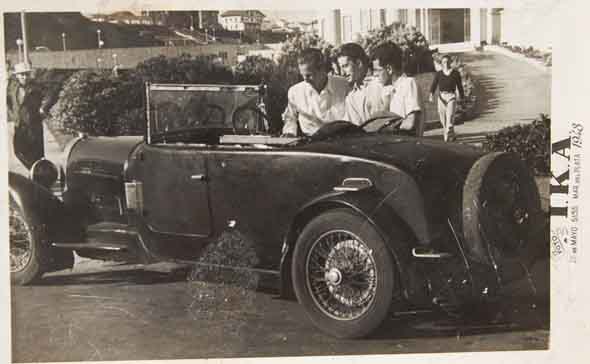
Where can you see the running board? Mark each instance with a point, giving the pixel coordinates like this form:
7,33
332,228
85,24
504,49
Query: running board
429,254
93,246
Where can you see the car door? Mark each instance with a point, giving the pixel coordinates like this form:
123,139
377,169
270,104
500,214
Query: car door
175,189
257,193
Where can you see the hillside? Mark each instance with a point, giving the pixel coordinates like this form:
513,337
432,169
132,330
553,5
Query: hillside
45,29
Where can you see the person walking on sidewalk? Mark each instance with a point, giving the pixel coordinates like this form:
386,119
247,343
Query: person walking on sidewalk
26,111
448,82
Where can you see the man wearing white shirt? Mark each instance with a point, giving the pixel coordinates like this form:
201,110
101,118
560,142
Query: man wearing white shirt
364,99
315,101
401,91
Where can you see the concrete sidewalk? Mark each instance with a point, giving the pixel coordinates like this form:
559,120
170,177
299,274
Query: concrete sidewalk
509,91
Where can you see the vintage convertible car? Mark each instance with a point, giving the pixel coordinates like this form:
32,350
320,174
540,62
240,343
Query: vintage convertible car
355,221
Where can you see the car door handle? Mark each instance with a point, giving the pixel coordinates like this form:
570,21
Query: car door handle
198,177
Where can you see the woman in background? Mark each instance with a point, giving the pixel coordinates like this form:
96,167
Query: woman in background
448,81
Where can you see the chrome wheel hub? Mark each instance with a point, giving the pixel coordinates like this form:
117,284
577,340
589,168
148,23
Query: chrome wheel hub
333,277
341,275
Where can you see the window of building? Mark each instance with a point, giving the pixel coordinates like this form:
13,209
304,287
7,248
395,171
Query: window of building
467,22
346,28
403,16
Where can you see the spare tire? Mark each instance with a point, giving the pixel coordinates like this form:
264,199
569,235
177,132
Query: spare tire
502,216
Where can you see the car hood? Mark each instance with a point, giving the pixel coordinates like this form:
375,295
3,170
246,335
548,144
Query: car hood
101,155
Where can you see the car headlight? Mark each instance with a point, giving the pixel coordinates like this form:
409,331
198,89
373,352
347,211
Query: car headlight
44,173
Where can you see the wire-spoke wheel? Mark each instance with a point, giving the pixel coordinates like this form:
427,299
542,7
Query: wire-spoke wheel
21,241
26,251
343,274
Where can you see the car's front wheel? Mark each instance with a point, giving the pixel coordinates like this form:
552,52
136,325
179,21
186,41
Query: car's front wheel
27,253
343,274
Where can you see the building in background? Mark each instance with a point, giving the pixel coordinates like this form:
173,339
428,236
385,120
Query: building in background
196,19
247,21
465,27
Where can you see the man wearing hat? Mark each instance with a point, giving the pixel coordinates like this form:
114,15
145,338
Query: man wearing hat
24,109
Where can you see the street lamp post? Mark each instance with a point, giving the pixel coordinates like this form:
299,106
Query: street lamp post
100,42
63,41
19,44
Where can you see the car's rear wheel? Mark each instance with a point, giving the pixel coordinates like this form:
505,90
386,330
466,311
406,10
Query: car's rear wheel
343,274
27,252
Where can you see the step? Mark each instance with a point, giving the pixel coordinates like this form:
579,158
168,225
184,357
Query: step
92,245
426,254
104,236
111,227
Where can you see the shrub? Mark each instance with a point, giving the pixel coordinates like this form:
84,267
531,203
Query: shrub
287,62
531,142
89,102
256,70
99,103
417,53
182,69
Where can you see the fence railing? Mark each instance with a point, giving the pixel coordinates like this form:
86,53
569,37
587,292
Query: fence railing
130,57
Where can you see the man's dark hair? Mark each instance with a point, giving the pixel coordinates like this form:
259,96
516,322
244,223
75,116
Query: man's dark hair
388,54
353,51
312,57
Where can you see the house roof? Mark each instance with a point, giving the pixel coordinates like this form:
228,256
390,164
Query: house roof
241,13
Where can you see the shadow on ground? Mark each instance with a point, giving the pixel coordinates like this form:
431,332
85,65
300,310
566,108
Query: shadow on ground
118,277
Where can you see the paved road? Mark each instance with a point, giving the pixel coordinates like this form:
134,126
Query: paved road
510,91
105,311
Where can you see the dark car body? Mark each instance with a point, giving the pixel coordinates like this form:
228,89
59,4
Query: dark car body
166,196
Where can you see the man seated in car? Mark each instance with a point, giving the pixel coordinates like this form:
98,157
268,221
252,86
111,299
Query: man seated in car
315,101
400,91
365,98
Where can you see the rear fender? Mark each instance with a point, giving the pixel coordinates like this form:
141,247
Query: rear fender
368,203
35,200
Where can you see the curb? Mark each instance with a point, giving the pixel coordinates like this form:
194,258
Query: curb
506,52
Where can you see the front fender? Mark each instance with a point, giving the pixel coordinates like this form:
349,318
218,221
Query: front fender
382,211
36,200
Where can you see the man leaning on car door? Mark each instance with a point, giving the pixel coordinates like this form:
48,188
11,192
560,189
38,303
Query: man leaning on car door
316,100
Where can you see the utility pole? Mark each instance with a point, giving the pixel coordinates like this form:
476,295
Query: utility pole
23,23
19,44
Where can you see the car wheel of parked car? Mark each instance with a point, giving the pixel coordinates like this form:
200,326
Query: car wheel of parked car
27,252
502,216
343,274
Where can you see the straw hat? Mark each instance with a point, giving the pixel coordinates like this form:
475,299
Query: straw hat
21,68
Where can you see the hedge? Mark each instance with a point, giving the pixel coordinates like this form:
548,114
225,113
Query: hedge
532,142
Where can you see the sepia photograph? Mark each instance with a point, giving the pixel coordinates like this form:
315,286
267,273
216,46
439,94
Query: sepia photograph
197,182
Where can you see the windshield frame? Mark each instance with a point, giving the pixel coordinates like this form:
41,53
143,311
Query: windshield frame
153,136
